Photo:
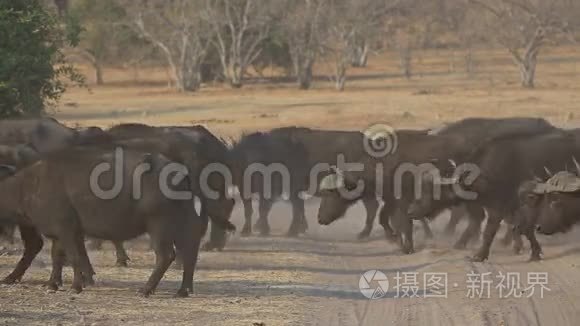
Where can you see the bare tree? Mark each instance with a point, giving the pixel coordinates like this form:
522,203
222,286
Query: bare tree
177,29
239,26
304,26
351,26
523,27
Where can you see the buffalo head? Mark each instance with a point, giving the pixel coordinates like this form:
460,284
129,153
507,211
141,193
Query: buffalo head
338,192
558,203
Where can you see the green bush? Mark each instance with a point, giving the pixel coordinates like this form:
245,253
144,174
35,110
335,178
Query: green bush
33,69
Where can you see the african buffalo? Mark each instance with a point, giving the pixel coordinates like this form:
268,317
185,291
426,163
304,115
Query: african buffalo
390,176
502,166
548,206
476,130
196,148
56,197
270,166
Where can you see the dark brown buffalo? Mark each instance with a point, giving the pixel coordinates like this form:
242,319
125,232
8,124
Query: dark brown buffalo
550,206
397,190
503,164
54,197
196,148
476,130
270,166
324,147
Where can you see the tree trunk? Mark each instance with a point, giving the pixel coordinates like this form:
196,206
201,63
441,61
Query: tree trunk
305,77
98,72
360,56
340,78
469,62
188,79
405,61
527,66
528,73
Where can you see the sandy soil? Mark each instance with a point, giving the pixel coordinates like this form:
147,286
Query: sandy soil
313,280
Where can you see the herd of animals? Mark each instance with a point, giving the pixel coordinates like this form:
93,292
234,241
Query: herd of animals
528,178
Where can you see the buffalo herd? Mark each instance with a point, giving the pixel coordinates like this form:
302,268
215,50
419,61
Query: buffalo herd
523,171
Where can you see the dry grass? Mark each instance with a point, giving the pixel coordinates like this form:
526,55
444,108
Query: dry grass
233,288
374,94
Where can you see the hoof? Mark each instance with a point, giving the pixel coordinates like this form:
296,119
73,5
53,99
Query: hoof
145,293
534,258
52,285
121,263
181,293
57,282
210,246
408,251
478,259
363,235
76,289
9,281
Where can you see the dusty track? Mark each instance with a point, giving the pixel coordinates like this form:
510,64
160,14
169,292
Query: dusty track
308,281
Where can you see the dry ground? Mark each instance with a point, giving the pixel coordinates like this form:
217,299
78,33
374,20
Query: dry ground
314,280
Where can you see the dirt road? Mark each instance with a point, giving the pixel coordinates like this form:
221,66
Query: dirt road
313,280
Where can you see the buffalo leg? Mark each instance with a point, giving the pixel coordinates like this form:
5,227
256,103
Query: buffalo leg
264,210
404,224
217,235
248,212
491,227
476,216
299,224
457,213
384,220
217,238
518,244
162,243
427,229
122,257
187,244
32,245
58,257
534,244
72,240
372,206
508,237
